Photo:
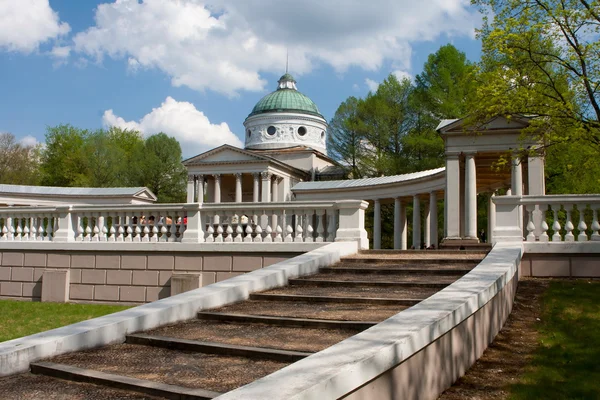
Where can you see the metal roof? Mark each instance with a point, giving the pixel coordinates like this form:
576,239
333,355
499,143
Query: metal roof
71,191
356,183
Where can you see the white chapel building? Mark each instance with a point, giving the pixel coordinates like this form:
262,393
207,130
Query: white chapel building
285,143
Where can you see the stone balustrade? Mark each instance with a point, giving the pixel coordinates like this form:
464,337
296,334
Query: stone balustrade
314,221
550,218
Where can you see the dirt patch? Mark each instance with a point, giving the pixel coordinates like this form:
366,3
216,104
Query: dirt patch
505,360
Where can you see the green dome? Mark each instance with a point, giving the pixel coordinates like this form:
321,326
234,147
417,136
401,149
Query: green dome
286,99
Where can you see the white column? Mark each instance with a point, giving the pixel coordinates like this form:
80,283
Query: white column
217,198
266,187
517,184
398,223
452,203
491,218
190,188
536,185
200,188
274,187
376,224
416,222
470,197
255,189
433,220
238,188
427,226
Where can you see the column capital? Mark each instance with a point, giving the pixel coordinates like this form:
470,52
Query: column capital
238,176
191,177
200,178
217,177
265,175
470,154
453,155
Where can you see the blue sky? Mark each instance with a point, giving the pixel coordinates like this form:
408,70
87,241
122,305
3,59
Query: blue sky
194,69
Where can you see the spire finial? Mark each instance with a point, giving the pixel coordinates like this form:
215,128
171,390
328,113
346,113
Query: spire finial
287,60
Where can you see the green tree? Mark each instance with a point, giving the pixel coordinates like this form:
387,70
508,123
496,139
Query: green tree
445,85
19,164
541,57
162,171
344,141
63,160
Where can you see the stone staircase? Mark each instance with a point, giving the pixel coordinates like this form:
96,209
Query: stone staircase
234,345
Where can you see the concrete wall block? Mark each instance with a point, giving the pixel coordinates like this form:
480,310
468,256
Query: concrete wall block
208,278
221,276
11,289
217,263
118,277
97,276
83,261
106,293
81,292
188,263
35,259
157,293
135,294
13,259
112,261
133,262
550,267
274,260
588,267
247,263
22,274
185,282
76,275
59,260
55,285
37,274
145,278
32,290
161,262
5,273
163,278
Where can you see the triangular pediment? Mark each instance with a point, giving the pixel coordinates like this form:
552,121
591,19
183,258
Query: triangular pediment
145,194
495,124
223,154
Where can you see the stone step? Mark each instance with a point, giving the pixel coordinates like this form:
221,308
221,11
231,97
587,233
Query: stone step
400,260
307,310
305,339
122,382
288,321
392,270
216,348
331,282
388,292
399,277
191,370
480,250
333,299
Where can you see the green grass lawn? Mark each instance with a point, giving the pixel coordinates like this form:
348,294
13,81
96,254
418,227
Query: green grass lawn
22,318
567,363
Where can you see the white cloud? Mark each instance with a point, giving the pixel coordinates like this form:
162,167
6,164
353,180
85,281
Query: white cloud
60,52
226,46
182,120
372,85
401,75
29,141
25,24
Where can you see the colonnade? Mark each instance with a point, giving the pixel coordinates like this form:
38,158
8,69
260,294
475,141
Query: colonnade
429,225
265,187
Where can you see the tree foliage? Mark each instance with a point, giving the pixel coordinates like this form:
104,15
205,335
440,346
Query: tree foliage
542,57
19,163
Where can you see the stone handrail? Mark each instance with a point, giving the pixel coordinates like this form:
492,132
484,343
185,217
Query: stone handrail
569,218
314,221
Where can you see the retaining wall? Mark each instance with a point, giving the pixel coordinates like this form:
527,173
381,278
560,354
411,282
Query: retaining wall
576,260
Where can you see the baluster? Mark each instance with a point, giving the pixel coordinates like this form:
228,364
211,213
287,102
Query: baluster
50,228
267,230
11,229
88,228
530,225
239,233
210,231
40,235
120,227
128,229
320,229
569,237
331,225
556,225
33,228
229,230
172,235
249,230
544,225
78,228
278,228
162,222
182,227
26,230
595,224
102,221
137,230
19,230
309,227
219,238
299,230
96,229
582,237
112,237
4,236
289,230
154,230
258,233
145,231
